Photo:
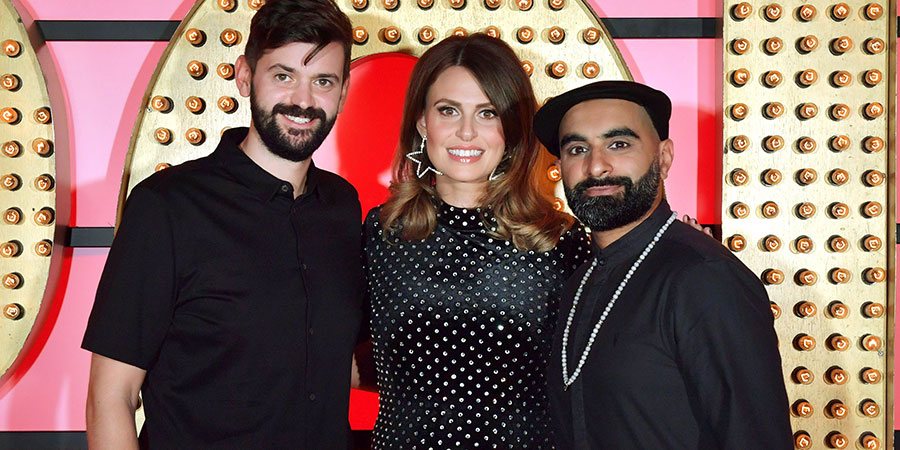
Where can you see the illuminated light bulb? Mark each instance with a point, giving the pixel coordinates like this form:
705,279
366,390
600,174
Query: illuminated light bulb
460,31
806,277
873,178
525,34
769,210
556,35
807,78
163,136
493,32
870,343
739,210
874,46
807,145
740,77
230,37
740,46
226,71
802,440
808,43
196,69
741,11
739,111
771,243
195,105
10,249
161,166
806,13
556,5
553,173
839,143
773,78
839,276
838,244
10,115
42,115
227,5
12,216
802,375
13,311
558,69
803,244
807,111
590,69
591,36
740,143
838,177
359,5
836,410
390,35
772,276
773,45
869,442
11,48
10,82
873,144
870,376
871,243
44,183
161,104
776,310
390,5
873,11
805,210
739,177
841,78
558,204
227,104
873,110
195,136
360,35
773,143
426,35
838,310
10,182
45,216
869,408
771,177
802,408
839,111
807,176
737,243
842,45
195,37
836,375
872,77
457,4
871,209
838,210
528,67
524,5
874,275
840,11
256,4
773,12
492,4
804,343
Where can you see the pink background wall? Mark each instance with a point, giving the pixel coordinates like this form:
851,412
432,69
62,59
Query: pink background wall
103,83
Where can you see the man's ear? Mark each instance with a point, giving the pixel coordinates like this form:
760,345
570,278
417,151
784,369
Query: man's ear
243,76
666,155
344,89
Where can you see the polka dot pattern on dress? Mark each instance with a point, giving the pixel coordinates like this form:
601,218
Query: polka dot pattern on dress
461,325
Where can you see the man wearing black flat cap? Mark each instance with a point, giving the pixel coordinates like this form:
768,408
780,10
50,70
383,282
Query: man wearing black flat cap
665,340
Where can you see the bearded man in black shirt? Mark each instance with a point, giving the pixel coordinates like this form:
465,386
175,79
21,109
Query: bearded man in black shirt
231,298
664,339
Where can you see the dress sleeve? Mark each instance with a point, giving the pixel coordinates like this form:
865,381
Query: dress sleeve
136,294
574,249
727,352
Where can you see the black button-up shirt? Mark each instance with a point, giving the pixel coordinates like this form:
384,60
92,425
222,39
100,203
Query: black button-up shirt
687,358
242,302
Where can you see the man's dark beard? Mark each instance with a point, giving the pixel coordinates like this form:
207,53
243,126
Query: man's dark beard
608,212
299,145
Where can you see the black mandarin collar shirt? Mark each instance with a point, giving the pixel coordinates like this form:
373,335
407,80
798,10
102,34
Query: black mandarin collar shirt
241,302
687,357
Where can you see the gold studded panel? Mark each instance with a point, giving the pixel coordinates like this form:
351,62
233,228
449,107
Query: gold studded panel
192,96
808,203
27,187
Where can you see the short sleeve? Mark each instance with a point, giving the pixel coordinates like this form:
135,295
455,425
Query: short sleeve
136,294
727,351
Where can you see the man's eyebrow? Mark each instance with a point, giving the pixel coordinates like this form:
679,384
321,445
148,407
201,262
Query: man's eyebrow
619,132
281,67
571,137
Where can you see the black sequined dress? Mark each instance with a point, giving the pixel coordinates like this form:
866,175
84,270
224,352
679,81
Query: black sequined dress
461,327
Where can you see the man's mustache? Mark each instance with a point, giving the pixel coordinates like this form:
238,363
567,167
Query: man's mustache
296,111
605,181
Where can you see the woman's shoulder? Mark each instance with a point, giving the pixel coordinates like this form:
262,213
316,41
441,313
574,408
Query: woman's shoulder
574,244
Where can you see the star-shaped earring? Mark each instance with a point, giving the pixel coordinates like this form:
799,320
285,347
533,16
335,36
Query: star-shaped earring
420,172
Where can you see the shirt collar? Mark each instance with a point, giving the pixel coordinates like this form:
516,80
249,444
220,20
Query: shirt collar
632,243
247,173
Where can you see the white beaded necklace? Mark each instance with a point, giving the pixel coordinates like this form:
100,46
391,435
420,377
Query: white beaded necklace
567,380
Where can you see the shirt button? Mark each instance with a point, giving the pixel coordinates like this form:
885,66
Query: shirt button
311,331
285,188
303,266
312,397
601,261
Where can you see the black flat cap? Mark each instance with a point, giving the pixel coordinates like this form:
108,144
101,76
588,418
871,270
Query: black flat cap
548,118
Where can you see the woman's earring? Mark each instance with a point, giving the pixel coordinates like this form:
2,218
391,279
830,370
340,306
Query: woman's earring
420,171
494,174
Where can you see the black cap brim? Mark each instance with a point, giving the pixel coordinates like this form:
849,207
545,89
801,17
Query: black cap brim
548,118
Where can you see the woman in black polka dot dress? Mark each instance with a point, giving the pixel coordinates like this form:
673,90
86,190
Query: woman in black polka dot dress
466,259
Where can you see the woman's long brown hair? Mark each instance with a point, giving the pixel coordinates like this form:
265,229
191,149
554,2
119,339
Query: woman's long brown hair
524,215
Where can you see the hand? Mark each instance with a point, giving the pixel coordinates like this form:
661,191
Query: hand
693,222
